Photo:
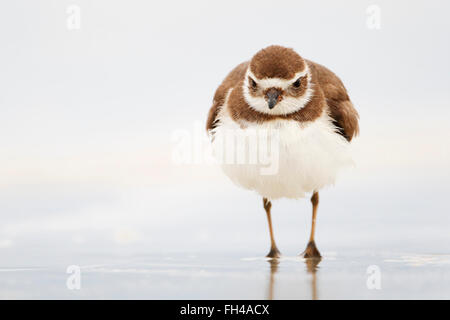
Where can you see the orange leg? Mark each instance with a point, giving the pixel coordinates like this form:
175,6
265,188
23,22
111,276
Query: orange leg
311,249
274,252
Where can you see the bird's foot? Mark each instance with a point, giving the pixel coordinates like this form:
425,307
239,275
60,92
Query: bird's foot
311,251
274,253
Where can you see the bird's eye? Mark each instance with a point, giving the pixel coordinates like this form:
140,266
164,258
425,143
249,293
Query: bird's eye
252,83
297,83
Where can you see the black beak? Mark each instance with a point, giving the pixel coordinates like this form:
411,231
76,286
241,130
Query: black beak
272,97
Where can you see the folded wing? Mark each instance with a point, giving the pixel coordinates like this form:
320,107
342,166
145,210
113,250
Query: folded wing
344,115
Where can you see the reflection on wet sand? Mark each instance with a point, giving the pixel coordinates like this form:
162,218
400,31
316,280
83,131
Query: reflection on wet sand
312,265
273,270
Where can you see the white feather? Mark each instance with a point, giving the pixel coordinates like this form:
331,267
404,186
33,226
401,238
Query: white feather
309,155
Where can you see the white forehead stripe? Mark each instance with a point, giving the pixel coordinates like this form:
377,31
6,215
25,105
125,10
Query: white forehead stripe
288,104
276,82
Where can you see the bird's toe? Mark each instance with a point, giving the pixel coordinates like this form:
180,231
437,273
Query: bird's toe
274,253
311,251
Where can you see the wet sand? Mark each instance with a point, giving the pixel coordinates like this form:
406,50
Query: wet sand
336,276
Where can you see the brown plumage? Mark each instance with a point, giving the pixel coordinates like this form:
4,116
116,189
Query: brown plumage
267,63
329,92
340,107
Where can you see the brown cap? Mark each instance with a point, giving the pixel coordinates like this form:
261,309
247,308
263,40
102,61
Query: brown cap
276,62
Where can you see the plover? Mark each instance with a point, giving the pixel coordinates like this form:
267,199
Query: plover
301,105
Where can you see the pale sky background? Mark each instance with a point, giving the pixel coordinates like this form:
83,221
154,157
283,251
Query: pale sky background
86,119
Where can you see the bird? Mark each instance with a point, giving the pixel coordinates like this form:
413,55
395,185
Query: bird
300,105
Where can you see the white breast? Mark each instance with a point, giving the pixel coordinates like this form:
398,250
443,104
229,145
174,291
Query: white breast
300,158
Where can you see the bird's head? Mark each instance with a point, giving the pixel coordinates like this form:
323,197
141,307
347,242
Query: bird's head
277,82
